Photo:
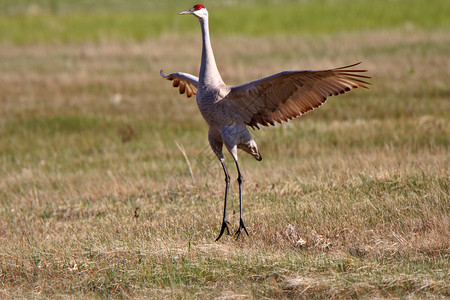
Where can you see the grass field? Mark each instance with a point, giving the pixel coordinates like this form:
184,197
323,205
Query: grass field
97,198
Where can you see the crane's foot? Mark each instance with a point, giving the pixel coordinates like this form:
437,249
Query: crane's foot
241,226
224,226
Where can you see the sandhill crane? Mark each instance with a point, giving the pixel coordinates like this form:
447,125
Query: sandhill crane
275,99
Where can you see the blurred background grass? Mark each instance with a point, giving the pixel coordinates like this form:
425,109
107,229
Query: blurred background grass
24,22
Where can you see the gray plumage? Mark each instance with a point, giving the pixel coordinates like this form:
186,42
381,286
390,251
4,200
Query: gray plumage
228,110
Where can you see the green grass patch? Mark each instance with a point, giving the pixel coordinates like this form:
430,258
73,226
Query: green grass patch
58,23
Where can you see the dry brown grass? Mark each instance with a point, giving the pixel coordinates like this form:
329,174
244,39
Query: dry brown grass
350,201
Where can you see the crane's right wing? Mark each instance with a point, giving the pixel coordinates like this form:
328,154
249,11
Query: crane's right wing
188,83
290,94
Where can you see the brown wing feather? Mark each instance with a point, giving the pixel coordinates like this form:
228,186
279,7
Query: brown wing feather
288,95
186,83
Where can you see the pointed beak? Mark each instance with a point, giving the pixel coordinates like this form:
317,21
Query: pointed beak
186,12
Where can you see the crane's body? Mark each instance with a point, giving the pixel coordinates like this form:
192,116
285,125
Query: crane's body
228,110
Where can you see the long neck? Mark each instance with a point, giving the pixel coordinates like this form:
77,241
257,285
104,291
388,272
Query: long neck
209,74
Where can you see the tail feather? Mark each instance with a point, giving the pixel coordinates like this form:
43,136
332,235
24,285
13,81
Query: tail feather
252,149
257,156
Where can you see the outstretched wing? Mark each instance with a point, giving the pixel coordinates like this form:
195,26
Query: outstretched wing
290,94
186,82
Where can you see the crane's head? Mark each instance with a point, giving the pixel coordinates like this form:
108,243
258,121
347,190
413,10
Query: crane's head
198,10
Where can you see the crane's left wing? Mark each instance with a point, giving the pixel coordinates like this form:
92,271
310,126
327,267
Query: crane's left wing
290,94
186,82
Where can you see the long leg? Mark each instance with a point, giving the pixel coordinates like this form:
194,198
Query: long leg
227,183
241,220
